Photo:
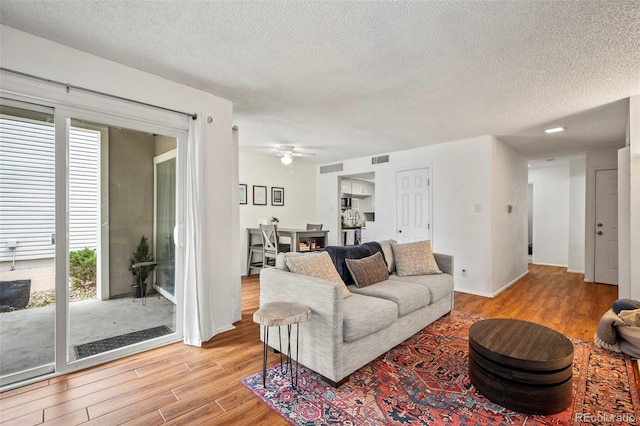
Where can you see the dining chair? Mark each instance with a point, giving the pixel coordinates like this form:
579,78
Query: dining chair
270,245
314,227
257,248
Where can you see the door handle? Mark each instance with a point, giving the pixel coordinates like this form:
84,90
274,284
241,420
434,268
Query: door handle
599,225
400,231
599,232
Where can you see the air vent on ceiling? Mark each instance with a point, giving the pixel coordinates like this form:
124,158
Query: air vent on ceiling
331,168
380,159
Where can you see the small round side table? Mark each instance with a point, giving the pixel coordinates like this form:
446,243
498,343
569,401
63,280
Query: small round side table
279,314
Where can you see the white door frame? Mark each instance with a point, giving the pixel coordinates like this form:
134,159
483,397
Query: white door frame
169,155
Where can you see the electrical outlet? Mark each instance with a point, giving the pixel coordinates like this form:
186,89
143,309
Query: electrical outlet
464,272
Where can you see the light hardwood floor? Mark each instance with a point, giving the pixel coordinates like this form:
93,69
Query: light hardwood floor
178,384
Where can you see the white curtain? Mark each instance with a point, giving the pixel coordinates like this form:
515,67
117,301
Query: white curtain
198,318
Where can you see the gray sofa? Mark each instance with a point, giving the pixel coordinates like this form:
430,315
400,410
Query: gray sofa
345,334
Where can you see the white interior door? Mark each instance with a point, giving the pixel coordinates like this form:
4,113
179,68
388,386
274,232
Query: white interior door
606,253
412,203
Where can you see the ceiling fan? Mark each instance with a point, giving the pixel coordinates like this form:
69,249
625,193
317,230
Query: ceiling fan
287,152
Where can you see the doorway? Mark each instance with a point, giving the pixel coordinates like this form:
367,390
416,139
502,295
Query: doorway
606,230
357,207
530,191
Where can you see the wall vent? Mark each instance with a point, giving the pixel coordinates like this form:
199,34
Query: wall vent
331,168
380,159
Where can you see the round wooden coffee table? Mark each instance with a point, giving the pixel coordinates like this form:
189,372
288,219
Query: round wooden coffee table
520,365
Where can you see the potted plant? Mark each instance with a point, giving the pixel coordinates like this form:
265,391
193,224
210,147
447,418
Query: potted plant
140,265
275,220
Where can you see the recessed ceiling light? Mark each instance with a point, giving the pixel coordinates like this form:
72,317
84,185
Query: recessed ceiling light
555,130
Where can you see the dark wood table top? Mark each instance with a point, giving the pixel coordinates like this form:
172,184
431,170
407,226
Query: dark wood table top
521,344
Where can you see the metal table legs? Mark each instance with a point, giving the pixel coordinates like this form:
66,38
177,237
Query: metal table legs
288,365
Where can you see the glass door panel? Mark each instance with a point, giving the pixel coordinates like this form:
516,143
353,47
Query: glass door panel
27,251
111,228
165,220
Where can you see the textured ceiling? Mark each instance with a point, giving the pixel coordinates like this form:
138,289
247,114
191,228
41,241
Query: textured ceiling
348,79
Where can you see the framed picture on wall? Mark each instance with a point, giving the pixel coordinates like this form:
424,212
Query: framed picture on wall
259,195
277,196
243,193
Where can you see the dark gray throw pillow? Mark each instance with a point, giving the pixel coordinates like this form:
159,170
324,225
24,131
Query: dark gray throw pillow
369,270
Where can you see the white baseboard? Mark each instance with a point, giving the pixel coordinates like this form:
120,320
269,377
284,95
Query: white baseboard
491,295
571,271
509,284
551,264
475,293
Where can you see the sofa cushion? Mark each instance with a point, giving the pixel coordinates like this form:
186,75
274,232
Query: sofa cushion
340,253
414,259
439,286
318,265
364,315
282,256
368,270
387,251
408,296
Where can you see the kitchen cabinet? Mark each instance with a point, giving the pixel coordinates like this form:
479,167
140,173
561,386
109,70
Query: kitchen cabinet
356,188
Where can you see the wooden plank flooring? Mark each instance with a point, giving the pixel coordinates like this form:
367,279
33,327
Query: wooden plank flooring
183,385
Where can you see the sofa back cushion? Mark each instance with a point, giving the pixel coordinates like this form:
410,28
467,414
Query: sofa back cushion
318,265
387,251
415,259
340,253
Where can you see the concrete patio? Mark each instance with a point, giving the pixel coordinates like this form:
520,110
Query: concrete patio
27,336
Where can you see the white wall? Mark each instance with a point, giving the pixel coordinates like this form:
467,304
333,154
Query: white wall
300,200
577,193
509,230
604,159
26,53
461,178
624,222
550,214
634,139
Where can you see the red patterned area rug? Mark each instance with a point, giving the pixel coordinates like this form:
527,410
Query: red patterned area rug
425,381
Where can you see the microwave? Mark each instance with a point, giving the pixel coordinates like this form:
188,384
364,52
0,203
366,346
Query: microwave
345,203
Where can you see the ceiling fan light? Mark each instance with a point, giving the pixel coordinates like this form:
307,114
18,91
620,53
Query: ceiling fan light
286,159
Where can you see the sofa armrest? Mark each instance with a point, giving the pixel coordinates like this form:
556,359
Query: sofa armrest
445,262
324,298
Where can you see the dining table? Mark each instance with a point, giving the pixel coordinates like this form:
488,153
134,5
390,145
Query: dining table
297,236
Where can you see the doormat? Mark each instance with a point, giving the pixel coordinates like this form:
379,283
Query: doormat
104,345
425,381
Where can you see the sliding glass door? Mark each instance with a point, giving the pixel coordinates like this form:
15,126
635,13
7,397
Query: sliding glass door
129,311
88,264
27,251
